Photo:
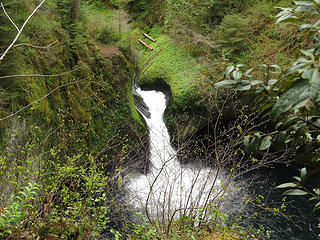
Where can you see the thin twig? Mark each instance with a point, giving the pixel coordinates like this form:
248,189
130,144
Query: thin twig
40,75
34,46
20,31
40,99
5,12
30,45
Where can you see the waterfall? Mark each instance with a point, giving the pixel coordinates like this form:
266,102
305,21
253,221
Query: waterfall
169,189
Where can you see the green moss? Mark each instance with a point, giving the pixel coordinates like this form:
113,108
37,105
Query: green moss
89,112
169,62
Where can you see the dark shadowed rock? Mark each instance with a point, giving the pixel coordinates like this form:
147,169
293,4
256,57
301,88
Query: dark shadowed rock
140,104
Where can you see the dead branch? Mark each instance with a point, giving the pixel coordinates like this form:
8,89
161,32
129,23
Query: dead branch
5,12
143,43
146,35
39,75
40,99
19,30
34,46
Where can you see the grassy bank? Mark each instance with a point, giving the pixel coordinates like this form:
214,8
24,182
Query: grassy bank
172,64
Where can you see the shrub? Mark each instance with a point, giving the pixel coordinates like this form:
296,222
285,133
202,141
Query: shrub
108,36
19,210
233,31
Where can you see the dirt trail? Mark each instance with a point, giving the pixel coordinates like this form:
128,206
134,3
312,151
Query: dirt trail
108,51
120,23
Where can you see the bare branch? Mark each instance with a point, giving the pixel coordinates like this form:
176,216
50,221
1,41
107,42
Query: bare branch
5,12
20,31
39,75
40,99
34,46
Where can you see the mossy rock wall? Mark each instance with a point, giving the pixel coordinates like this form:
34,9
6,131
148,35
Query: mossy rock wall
170,66
88,106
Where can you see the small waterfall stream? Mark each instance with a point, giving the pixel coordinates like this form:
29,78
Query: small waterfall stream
169,190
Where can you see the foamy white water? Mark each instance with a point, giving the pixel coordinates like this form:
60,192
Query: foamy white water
169,189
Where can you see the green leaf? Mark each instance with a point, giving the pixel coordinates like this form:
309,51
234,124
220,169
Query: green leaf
290,118
305,26
249,71
282,137
297,178
8,231
287,17
265,143
316,39
283,12
237,75
298,66
287,185
296,94
317,206
315,85
225,83
317,1
303,3
258,135
246,141
19,198
256,82
295,192
303,174
243,88
317,191
255,142
306,9
308,53
228,70
307,73
279,124
313,198
23,193
242,85
272,82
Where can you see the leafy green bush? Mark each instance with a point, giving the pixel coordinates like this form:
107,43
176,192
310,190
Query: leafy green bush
21,208
108,36
233,32
291,98
219,9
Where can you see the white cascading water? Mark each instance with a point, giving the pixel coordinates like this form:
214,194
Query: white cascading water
169,190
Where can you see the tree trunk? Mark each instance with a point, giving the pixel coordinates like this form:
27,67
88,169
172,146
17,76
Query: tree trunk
75,10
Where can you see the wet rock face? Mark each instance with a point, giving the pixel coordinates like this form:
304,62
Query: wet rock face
140,104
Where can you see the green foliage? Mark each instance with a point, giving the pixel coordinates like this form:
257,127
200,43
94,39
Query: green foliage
292,95
290,98
189,228
19,210
146,12
65,9
85,111
188,14
108,36
171,64
298,188
219,9
20,161
233,32
81,191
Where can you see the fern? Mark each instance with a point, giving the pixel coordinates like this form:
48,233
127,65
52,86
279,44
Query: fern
20,208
